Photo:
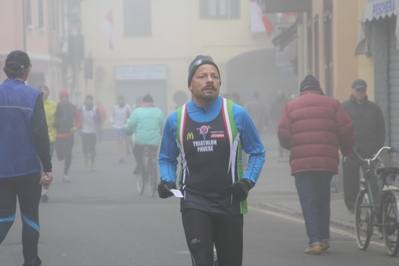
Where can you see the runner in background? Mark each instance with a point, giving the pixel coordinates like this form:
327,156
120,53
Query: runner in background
103,113
119,116
91,119
67,121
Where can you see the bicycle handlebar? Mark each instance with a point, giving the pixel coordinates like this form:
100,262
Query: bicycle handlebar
377,154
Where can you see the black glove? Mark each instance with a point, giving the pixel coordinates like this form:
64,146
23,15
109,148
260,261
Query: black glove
240,189
163,189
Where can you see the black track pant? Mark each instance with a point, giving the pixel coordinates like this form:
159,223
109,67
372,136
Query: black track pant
202,229
28,190
63,147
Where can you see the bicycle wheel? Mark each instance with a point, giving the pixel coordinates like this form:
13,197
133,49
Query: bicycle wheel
390,228
363,220
152,177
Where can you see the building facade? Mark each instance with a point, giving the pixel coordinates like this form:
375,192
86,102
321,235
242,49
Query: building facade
326,31
378,55
146,46
37,27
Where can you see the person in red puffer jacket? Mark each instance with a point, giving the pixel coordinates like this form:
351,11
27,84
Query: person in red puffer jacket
314,127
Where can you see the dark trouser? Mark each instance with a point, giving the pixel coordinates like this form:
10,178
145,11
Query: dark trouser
28,190
138,151
351,166
203,229
314,194
138,155
63,147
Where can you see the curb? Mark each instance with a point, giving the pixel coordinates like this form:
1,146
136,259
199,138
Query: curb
337,222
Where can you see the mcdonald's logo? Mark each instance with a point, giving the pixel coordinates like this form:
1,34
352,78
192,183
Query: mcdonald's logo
190,135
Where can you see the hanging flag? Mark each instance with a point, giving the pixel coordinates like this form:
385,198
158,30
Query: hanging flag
107,27
259,21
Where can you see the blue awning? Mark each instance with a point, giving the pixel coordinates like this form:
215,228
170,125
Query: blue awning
377,9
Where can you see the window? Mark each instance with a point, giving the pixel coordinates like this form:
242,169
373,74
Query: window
28,12
40,9
219,9
137,18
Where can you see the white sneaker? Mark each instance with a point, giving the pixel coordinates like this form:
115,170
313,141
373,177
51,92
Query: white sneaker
65,178
45,195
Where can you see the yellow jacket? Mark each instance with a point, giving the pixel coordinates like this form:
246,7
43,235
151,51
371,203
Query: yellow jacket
50,108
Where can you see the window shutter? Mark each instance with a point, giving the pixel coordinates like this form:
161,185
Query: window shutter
235,8
204,8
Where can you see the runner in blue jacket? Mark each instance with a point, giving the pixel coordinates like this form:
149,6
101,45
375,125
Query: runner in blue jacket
209,133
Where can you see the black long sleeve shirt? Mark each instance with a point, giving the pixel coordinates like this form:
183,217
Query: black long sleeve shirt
40,134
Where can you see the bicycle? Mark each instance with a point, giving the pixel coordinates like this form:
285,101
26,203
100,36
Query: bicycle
366,211
150,171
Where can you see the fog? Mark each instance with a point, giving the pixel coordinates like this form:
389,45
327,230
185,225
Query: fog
131,48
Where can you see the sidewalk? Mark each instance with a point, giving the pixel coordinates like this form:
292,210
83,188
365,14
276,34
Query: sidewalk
277,188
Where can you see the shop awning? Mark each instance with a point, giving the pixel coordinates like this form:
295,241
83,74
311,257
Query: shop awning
371,11
282,6
284,38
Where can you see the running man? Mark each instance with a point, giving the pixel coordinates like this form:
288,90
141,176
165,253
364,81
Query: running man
67,121
91,119
209,133
119,116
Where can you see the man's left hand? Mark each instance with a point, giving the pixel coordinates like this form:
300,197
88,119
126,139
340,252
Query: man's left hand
46,179
240,189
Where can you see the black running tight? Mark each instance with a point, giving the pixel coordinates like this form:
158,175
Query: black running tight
203,229
63,147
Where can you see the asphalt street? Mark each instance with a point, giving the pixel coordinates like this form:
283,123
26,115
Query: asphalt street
99,219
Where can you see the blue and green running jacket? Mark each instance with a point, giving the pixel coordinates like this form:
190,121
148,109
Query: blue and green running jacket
210,141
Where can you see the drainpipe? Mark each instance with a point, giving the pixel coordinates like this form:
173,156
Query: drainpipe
23,26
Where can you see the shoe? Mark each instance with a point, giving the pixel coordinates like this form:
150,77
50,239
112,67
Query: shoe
352,211
121,159
65,178
313,250
45,195
85,163
325,245
93,168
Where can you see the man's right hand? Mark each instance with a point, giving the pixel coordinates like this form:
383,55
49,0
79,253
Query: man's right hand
164,189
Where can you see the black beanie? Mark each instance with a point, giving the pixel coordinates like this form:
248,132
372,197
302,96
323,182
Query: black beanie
147,98
310,83
197,62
